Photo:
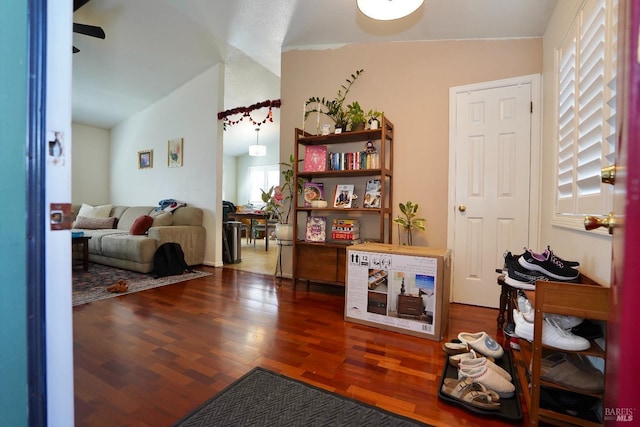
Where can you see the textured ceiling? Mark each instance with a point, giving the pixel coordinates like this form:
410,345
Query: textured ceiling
154,46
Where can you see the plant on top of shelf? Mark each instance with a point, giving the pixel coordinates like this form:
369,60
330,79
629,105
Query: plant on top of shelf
409,222
374,115
334,108
356,116
278,198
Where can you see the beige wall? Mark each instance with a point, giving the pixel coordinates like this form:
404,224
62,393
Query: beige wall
410,82
90,165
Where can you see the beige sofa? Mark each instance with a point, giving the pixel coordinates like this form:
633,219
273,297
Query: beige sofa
116,247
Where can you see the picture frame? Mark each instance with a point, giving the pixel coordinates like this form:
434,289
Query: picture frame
373,194
174,152
145,159
343,196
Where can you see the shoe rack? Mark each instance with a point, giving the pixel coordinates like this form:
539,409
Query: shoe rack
587,300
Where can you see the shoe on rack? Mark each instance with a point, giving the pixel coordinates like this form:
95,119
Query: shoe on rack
588,330
525,307
565,322
549,265
482,343
572,371
552,334
547,252
518,276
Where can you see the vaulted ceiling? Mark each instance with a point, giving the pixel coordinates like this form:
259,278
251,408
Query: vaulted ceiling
154,46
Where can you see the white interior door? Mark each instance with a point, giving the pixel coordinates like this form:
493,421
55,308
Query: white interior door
490,185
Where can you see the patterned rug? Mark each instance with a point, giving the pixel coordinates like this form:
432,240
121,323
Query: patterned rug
264,398
90,286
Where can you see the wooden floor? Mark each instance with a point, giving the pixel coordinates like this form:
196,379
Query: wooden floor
147,359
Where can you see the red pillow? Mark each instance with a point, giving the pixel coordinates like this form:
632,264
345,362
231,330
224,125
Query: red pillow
141,225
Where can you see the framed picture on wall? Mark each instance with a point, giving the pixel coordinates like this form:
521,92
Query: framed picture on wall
145,159
175,152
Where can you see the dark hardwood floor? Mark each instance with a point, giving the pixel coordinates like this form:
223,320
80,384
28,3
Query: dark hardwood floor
147,359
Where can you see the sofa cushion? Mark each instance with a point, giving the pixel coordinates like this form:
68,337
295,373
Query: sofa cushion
89,211
130,215
141,225
161,219
138,249
90,223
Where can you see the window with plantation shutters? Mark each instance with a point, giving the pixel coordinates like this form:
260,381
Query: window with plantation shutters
586,91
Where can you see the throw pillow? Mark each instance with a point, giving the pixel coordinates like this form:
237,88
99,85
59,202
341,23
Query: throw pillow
161,218
94,223
141,225
89,211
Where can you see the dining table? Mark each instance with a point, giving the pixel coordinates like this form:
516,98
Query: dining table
253,216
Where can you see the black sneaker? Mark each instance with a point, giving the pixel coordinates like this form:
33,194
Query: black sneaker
549,264
518,276
548,252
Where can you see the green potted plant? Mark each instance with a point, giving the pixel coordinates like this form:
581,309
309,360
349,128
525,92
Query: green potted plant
334,108
409,221
373,117
356,116
278,200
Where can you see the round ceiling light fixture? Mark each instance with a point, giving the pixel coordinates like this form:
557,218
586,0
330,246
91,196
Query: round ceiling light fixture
387,10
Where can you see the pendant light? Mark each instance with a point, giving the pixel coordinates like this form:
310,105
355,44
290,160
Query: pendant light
257,150
386,10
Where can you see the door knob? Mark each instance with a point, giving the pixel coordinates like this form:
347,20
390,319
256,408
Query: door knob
608,175
462,208
593,222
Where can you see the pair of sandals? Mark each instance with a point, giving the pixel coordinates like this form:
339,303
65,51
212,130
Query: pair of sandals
119,287
471,393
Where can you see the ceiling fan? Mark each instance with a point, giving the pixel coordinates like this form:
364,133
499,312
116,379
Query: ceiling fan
87,30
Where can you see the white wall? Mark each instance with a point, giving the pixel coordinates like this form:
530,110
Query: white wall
229,173
243,163
190,112
591,249
91,160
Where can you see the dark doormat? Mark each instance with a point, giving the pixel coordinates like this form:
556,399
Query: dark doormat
264,398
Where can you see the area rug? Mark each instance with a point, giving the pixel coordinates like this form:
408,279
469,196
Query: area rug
265,398
90,286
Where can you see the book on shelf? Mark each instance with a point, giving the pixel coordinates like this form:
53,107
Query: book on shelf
345,235
312,191
343,196
373,193
357,160
315,158
348,225
316,229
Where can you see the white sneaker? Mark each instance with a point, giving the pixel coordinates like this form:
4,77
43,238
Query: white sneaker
552,334
565,322
525,307
523,328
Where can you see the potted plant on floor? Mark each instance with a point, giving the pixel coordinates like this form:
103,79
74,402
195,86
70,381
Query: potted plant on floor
278,201
409,221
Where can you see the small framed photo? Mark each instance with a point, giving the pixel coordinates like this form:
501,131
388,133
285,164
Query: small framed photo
145,159
343,196
175,152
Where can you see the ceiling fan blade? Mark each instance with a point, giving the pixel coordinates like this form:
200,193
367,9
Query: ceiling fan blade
75,49
89,30
77,4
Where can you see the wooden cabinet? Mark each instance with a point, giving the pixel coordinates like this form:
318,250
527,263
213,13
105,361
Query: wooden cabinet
588,300
324,262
